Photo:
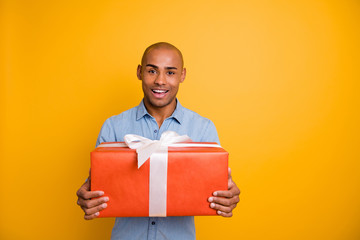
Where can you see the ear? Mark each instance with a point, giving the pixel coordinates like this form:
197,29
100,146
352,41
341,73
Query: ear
183,75
138,73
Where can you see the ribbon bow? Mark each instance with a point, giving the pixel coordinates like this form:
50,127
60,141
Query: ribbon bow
146,147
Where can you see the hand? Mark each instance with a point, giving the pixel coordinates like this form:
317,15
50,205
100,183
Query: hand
91,207
225,201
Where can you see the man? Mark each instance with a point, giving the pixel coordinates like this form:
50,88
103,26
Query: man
161,72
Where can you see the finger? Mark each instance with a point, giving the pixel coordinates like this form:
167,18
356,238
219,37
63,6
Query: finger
92,203
232,191
222,208
227,194
224,214
90,211
224,201
229,173
85,194
92,216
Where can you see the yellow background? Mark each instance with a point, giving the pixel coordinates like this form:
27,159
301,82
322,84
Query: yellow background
280,80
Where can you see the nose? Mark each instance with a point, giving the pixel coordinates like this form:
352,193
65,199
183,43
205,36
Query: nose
160,79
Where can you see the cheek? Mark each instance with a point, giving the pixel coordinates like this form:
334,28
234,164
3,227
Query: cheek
146,81
145,86
174,83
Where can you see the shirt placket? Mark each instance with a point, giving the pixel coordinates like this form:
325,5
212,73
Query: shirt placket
153,221
152,228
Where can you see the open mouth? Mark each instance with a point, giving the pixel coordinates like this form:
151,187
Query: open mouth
159,93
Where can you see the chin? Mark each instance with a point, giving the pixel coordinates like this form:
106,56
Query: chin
161,103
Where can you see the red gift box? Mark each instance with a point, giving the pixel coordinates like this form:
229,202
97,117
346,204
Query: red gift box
193,174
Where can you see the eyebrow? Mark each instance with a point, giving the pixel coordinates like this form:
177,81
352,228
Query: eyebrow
154,66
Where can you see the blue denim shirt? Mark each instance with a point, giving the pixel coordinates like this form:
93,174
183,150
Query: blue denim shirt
138,121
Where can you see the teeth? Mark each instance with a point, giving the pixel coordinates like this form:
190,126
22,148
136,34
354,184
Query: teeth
159,91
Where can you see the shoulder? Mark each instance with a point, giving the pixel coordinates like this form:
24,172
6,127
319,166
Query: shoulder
122,118
114,126
191,116
200,128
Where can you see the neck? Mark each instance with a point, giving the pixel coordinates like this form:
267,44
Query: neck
160,113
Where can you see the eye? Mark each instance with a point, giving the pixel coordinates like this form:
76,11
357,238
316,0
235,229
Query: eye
152,71
171,73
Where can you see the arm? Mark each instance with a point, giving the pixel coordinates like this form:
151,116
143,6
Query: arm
225,201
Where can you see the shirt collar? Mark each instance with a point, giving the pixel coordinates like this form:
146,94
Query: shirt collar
178,114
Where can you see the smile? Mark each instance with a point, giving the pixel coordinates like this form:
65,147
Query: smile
159,93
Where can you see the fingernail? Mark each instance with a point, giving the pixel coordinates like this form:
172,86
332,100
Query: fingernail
97,214
106,199
219,212
210,199
215,193
212,205
104,205
101,193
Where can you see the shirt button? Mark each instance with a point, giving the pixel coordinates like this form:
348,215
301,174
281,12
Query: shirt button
153,223
155,131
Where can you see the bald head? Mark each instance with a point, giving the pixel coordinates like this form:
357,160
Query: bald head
162,45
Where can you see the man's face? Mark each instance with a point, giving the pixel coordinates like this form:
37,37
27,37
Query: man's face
161,74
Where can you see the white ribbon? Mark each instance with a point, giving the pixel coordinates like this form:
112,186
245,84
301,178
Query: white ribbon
157,151
146,147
